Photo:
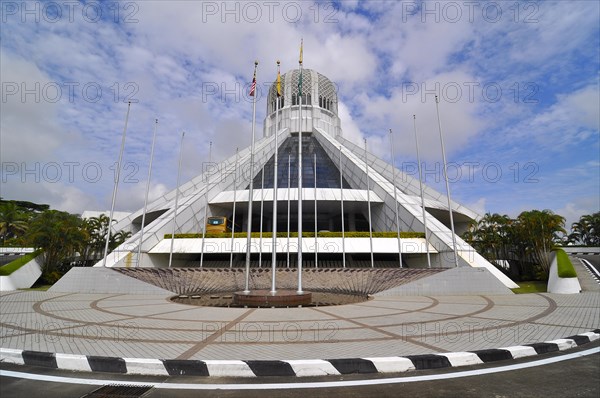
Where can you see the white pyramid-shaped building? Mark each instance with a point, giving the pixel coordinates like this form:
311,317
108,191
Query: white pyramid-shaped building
225,185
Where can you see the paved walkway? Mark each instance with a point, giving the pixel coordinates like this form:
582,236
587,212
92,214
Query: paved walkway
136,326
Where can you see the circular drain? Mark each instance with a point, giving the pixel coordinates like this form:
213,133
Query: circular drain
226,299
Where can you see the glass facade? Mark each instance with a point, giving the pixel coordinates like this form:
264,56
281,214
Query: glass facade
328,174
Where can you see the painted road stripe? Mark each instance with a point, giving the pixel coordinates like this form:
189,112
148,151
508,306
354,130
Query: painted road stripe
145,366
36,358
11,356
298,368
181,367
392,364
313,367
429,361
73,362
520,351
353,365
229,368
462,358
326,384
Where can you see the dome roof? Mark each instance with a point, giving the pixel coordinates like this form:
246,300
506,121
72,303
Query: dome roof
317,90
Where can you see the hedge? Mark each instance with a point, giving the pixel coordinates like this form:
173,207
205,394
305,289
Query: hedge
353,234
564,265
14,265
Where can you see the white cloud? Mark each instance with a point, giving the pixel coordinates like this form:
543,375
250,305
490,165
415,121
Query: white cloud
374,52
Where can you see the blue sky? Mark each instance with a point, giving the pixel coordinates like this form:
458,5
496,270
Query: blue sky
518,84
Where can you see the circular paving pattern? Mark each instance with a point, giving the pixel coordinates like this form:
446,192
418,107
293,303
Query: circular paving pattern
143,326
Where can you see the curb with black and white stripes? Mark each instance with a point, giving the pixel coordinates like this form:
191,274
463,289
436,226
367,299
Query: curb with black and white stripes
293,368
591,269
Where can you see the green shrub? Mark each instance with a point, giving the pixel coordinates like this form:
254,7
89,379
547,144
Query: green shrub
564,265
353,234
14,265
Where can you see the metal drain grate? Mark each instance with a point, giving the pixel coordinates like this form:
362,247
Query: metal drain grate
119,391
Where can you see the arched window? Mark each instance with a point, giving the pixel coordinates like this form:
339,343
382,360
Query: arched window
294,100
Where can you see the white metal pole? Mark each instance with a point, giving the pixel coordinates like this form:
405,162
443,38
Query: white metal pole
275,177
146,196
316,229
176,200
342,205
446,179
422,193
206,204
116,186
395,198
250,191
300,188
234,203
288,210
369,206
262,201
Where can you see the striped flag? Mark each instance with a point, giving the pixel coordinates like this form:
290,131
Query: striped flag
253,86
300,84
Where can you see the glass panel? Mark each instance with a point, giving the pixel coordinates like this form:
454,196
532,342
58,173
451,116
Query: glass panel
328,174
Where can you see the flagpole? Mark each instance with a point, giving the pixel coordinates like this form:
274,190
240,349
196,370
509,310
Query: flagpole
146,196
316,230
250,191
422,194
300,176
395,198
206,203
262,201
116,187
342,205
369,205
288,210
275,186
176,200
234,202
437,109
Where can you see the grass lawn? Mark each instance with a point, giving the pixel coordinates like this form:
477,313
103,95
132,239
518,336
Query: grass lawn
531,287
14,265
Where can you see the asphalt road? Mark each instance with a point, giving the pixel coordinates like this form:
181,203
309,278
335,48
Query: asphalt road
594,259
577,377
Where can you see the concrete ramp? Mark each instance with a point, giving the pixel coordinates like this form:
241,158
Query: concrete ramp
103,280
453,282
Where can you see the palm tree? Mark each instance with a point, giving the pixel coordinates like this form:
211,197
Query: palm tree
60,235
587,230
539,232
13,221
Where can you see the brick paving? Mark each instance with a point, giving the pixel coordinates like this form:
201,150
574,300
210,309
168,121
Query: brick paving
151,326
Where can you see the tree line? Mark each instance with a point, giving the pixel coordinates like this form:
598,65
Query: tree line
518,246
66,240
521,246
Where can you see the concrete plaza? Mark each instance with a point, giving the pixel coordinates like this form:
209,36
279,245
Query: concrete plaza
151,326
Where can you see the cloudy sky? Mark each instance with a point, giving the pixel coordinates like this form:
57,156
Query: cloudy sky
518,87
